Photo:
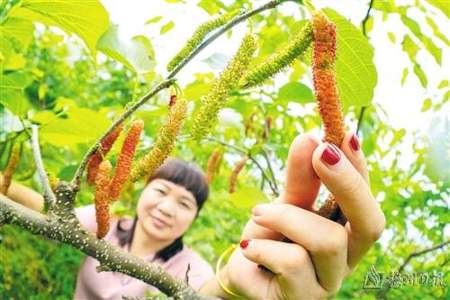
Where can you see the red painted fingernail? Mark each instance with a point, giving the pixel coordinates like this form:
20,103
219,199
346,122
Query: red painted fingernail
244,244
354,143
330,155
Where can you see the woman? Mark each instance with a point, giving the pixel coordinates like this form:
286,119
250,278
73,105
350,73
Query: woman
311,265
166,208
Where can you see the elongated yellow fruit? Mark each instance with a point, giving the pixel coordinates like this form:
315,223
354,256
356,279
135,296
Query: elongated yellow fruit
102,184
280,60
235,173
330,110
97,157
125,160
198,36
213,164
217,96
164,144
324,57
10,168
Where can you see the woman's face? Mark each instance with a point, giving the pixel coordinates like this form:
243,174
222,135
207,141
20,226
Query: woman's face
166,209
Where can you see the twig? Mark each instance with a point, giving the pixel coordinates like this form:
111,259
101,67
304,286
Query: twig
110,257
49,196
382,293
364,30
247,152
419,253
269,165
231,24
79,173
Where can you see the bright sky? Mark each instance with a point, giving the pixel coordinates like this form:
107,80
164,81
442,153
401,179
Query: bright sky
402,103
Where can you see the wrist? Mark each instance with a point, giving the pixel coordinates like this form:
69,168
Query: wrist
212,287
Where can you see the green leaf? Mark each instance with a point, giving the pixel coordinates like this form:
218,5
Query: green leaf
81,125
137,55
211,6
355,71
443,5
391,37
420,74
154,20
387,6
404,75
88,19
296,92
443,84
426,105
410,47
436,30
426,41
12,97
14,62
247,197
18,29
166,27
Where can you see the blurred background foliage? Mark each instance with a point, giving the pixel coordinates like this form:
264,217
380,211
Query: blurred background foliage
72,77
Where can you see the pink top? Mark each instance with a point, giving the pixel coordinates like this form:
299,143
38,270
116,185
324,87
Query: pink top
92,285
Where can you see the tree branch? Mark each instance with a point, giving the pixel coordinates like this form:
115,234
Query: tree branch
222,30
49,196
269,166
250,156
382,293
168,82
364,30
419,253
61,224
79,173
69,231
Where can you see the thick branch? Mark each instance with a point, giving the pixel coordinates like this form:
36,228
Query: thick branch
49,197
68,230
79,173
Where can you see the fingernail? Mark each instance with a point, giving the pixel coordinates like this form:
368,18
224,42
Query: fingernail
354,143
330,155
244,244
260,209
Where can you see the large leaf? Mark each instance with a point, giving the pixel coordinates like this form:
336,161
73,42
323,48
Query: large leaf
88,19
81,125
247,197
18,29
355,70
11,92
136,54
296,92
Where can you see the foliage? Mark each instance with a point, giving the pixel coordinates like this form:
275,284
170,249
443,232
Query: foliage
56,80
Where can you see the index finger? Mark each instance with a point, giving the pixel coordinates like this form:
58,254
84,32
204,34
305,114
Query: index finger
301,187
302,184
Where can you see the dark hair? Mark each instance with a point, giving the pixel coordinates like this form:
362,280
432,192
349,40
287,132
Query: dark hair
182,173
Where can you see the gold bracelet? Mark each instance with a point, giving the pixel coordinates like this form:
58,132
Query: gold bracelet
227,252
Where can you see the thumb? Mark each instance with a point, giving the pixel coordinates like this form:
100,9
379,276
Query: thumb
267,253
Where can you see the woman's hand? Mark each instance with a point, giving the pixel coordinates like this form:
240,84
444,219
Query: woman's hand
321,252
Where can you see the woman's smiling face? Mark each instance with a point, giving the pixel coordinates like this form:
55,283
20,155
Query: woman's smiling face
166,209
